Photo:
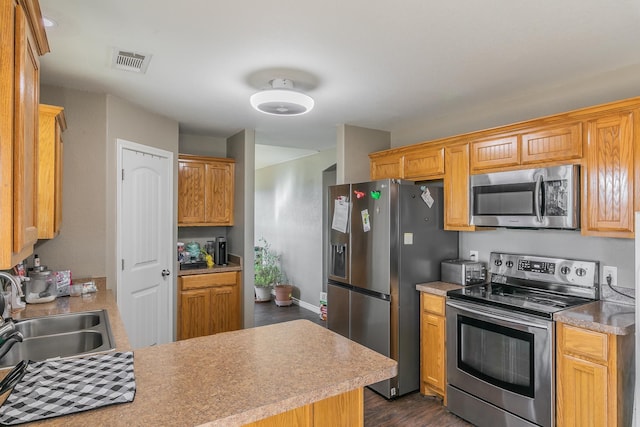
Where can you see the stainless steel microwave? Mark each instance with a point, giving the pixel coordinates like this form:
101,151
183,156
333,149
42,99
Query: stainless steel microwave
531,198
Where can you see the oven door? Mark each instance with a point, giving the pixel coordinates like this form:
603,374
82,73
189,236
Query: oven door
503,361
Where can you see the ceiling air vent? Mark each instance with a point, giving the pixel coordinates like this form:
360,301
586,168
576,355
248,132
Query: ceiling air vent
130,61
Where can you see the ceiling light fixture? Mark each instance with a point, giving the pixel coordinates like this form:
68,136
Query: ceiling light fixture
281,100
48,22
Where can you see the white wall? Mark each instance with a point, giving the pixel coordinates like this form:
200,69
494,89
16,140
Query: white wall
288,213
81,245
241,147
87,241
354,144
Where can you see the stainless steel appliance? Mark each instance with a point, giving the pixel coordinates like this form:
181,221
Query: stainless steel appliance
385,237
463,272
220,251
531,198
500,338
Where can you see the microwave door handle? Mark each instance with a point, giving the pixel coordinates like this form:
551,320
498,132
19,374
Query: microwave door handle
537,198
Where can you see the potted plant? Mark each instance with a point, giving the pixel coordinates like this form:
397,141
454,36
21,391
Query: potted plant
267,270
283,292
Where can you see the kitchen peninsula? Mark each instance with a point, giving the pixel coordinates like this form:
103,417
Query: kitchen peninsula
281,373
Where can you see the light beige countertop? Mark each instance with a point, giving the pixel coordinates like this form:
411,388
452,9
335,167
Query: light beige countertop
601,316
230,378
437,288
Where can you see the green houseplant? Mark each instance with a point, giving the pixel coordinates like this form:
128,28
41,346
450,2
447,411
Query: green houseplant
267,270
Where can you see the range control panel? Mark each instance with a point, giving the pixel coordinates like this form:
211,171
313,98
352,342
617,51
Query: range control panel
545,269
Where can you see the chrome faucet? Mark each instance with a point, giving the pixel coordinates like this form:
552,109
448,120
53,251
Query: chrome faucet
16,290
8,336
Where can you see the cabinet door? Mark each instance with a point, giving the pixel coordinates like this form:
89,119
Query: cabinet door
582,393
456,188
552,144
50,171
191,192
225,309
424,164
433,344
195,314
386,167
25,153
495,153
608,210
218,190
7,15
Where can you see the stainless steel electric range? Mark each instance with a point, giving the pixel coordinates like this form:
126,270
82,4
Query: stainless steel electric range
501,338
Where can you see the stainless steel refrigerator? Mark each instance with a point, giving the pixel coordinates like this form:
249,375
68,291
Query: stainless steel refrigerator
385,237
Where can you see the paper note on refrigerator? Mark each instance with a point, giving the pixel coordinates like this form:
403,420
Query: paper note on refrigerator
340,220
366,225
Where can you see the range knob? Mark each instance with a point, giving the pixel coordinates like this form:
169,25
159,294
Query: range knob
509,264
565,270
498,262
581,272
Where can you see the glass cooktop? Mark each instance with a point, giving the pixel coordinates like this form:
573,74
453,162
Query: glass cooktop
516,298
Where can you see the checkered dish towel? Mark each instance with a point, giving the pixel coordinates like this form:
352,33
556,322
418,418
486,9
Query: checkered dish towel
61,387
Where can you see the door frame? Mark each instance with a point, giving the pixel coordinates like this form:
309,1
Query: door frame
123,144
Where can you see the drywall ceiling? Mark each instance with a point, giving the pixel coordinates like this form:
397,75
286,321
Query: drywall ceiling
377,64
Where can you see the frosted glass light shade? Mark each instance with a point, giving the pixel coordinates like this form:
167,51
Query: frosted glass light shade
282,102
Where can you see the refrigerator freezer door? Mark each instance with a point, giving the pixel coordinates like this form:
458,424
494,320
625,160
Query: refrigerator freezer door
338,309
370,326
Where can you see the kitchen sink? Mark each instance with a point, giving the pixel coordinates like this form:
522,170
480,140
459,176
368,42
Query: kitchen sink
62,335
49,325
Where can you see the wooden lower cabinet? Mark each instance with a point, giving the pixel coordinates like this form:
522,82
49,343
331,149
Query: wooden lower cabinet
592,378
346,409
208,304
433,364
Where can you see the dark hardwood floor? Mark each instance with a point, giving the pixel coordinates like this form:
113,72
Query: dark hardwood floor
411,410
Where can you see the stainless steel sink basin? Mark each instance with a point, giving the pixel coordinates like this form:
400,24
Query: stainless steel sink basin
39,326
63,335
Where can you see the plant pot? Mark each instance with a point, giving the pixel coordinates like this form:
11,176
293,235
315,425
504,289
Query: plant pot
263,293
283,295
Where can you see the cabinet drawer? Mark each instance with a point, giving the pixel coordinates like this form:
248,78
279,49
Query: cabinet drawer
582,342
433,304
424,164
199,281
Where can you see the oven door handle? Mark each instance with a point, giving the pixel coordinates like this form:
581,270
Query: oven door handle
537,198
505,319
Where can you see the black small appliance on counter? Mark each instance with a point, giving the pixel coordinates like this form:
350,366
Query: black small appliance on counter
220,251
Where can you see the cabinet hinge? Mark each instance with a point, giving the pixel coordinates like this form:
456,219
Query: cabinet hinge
123,174
122,264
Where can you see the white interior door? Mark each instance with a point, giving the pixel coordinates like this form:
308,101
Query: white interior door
145,282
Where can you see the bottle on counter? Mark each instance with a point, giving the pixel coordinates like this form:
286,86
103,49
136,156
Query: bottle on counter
36,261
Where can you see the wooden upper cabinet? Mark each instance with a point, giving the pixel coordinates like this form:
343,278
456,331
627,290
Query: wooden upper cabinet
22,41
495,152
384,167
456,188
609,188
424,163
205,191
50,150
552,144
542,146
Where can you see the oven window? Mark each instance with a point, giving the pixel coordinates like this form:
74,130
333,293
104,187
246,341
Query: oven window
506,199
498,355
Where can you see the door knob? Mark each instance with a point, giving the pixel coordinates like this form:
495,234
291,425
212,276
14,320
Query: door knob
165,272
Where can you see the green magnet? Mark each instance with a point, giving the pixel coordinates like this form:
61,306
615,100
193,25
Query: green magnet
375,195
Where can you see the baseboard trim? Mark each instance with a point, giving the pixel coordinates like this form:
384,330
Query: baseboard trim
306,305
